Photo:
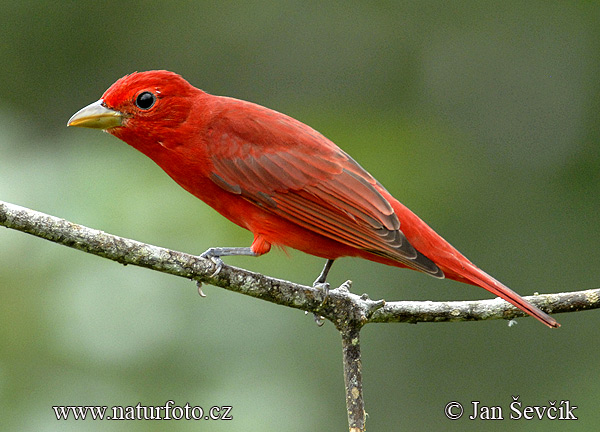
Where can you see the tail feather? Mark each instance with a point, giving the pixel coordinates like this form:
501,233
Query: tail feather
480,278
453,264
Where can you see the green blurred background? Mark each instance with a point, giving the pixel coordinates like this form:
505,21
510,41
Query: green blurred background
482,117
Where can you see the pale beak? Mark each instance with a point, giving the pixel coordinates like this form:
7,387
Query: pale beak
96,116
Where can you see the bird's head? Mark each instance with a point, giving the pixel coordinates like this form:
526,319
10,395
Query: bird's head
140,108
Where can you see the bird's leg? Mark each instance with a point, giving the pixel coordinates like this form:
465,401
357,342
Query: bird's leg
322,279
321,283
215,254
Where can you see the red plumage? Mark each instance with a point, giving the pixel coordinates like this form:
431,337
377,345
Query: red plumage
280,179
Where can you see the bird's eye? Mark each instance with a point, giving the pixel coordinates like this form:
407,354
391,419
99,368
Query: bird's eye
145,100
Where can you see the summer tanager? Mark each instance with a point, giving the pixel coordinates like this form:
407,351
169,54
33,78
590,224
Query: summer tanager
278,178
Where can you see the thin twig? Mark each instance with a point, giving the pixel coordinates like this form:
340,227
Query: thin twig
478,310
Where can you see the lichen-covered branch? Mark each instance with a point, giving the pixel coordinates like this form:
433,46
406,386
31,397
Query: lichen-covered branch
477,310
347,311
341,306
353,379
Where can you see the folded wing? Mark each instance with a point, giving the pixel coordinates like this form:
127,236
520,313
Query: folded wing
297,174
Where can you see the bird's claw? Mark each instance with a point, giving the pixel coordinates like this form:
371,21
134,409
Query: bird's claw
211,255
218,263
319,320
200,292
324,288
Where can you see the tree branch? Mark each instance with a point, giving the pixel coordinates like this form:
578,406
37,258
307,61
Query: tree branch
340,308
347,311
353,378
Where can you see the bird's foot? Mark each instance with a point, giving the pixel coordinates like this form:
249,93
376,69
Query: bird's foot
214,255
323,287
321,284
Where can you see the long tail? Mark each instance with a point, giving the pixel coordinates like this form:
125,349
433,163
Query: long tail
454,264
478,277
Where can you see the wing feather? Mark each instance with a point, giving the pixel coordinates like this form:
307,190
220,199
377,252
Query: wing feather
296,173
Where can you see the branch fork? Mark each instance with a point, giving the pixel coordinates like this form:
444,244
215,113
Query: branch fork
347,311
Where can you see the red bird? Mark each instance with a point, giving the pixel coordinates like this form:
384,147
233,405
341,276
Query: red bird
278,178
